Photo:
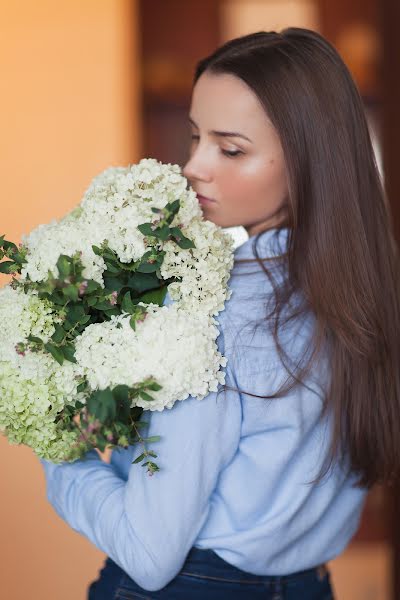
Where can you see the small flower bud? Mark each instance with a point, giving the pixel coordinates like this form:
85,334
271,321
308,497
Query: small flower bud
20,349
82,287
123,441
113,299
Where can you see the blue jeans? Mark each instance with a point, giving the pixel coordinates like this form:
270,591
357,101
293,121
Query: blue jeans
206,576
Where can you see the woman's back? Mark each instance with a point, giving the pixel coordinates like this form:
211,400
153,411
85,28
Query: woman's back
257,507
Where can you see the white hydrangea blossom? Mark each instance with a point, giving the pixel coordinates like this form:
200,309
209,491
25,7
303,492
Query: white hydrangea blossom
32,392
34,388
20,315
47,242
175,344
115,203
175,347
120,199
205,269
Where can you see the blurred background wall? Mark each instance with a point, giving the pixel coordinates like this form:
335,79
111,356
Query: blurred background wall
69,107
87,85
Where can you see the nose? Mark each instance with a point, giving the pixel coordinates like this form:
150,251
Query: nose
197,168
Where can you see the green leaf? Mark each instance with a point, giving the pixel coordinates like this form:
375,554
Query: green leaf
121,392
185,243
153,438
146,256
108,253
173,207
18,258
84,319
56,297
107,404
69,409
102,443
98,251
69,352
9,246
102,405
152,467
148,267
154,386
7,267
155,296
139,458
91,403
67,325
127,305
132,322
140,424
92,286
143,282
37,340
103,305
58,334
145,396
146,229
111,267
91,301
112,284
55,352
180,239
64,266
71,292
75,313
163,232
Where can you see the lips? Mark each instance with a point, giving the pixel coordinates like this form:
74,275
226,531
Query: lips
204,200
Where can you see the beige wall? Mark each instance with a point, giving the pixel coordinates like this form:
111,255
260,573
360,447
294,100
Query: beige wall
240,17
68,109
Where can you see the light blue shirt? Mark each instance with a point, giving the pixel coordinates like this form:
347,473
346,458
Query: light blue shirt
235,470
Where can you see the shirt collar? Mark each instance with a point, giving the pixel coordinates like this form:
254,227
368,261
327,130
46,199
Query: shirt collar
272,242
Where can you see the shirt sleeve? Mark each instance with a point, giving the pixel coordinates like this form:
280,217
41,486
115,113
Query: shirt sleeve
147,525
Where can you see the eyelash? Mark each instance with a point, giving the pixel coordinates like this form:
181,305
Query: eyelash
228,153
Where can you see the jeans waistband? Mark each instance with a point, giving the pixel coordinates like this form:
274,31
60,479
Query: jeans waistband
210,564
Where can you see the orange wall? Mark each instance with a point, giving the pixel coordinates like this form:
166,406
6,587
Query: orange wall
69,107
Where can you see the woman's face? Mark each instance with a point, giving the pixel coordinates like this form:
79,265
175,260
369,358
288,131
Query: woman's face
236,158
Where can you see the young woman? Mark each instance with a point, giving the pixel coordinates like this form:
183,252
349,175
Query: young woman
263,484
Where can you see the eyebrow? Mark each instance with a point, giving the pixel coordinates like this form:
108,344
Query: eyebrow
223,133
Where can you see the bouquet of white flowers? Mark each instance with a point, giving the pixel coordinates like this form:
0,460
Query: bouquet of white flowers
86,340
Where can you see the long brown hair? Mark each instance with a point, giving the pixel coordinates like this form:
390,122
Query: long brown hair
341,253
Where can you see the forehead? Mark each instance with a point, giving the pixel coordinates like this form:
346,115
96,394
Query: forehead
223,101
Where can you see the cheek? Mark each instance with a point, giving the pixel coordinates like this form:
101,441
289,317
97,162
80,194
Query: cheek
258,180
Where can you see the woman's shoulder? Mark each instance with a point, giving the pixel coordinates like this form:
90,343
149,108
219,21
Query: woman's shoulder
269,245
260,266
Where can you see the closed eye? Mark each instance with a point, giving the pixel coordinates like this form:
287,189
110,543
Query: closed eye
228,153
231,153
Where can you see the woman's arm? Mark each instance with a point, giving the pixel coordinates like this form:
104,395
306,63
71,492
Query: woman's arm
147,525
